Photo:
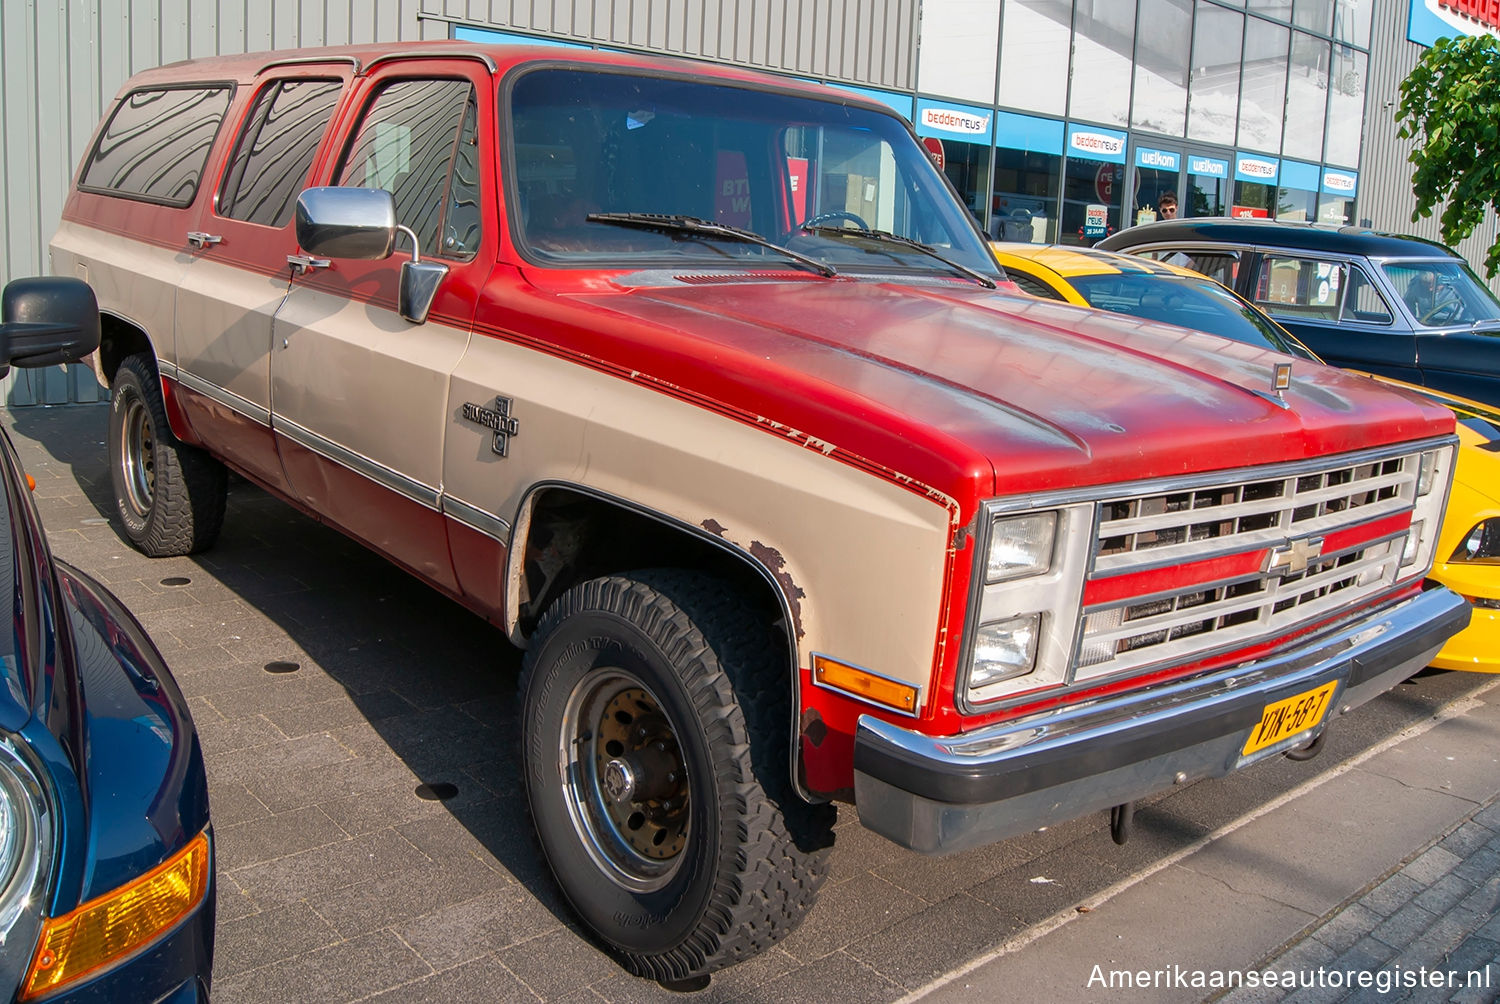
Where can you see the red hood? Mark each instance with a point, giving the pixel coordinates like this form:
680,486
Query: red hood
970,391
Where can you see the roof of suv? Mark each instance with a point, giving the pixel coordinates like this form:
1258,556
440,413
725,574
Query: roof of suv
498,58
1304,236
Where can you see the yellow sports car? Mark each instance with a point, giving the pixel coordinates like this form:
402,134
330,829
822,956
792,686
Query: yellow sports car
1468,557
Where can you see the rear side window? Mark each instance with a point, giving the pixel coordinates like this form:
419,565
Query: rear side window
1300,288
418,141
275,151
156,143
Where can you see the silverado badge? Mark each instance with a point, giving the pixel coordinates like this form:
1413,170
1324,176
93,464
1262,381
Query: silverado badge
497,419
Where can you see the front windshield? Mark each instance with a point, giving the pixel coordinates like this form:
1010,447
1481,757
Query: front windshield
1201,304
1442,293
589,141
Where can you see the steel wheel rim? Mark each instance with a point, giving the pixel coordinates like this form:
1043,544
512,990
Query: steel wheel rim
138,456
614,725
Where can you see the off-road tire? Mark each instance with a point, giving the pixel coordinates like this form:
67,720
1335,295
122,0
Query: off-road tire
687,653
169,496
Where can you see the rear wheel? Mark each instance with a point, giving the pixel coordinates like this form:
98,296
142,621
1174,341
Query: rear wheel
655,743
169,496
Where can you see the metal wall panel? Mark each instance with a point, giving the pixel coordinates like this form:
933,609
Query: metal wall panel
1385,194
867,42
62,61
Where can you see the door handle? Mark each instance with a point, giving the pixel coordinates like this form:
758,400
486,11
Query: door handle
302,263
201,240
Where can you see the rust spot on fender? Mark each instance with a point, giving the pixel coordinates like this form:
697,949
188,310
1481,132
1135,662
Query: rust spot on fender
772,559
813,728
716,528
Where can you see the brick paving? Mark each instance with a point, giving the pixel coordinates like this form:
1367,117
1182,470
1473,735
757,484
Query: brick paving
329,687
1438,912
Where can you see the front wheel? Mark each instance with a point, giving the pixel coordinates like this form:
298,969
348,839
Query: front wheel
656,727
169,496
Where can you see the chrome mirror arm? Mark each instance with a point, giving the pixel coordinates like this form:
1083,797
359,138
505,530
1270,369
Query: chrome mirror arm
411,235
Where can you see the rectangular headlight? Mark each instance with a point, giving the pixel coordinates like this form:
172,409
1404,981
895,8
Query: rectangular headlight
1020,546
1028,571
1004,649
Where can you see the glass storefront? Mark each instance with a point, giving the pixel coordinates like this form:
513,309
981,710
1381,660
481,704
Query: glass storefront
966,34
1214,92
1161,67
1207,187
962,149
1336,197
1277,80
1263,85
1255,190
1346,105
1158,173
1103,34
1093,185
1032,35
1064,120
1028,165
1306,97
1299,192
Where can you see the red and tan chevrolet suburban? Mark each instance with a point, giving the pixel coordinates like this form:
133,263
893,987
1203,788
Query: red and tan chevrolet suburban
702,387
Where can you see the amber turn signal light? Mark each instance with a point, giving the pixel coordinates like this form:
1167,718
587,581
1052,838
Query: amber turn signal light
865,684
109,928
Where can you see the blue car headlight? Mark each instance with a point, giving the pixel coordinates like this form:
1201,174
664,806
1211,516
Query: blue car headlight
25,859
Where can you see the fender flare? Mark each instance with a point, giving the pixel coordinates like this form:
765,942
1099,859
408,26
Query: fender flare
515,569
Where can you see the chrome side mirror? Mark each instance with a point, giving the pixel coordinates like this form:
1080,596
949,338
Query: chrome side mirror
361,223
47,320
347,222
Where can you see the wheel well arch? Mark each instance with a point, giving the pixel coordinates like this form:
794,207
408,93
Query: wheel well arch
119,338
566,533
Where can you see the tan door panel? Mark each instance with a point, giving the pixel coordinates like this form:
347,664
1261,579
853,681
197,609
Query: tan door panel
363,390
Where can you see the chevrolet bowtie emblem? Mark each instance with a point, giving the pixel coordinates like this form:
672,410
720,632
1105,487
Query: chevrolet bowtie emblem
497,419
1293,556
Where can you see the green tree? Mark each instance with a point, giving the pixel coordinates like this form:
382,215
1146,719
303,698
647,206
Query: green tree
1450,104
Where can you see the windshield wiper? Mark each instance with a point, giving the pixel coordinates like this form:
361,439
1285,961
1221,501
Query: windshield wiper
671,224
886,237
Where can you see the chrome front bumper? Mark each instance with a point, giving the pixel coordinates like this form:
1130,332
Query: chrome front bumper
939,794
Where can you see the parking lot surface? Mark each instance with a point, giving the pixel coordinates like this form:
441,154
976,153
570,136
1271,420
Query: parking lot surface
372,835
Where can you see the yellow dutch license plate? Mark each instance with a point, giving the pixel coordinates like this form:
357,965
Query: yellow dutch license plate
1289,717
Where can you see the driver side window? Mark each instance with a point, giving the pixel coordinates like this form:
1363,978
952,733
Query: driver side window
417,141
1363,302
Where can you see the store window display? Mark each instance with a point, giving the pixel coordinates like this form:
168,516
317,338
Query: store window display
958,136
1028,166
1093,184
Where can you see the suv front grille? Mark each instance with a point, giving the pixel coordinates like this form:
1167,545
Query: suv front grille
1253,519
1176,525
